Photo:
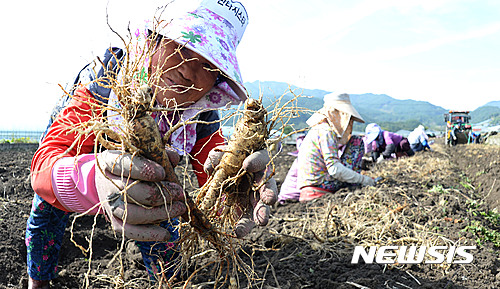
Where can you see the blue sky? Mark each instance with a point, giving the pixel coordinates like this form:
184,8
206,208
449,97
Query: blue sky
441,51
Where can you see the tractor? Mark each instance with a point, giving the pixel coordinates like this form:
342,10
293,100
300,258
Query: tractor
458,128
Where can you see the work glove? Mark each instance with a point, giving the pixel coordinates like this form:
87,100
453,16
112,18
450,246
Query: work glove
380,159
367,181
259,204
147,199
339,172
367,158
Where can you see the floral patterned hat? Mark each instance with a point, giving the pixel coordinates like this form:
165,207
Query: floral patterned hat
213,30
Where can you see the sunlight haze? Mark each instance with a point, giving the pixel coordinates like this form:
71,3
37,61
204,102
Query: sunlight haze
441,51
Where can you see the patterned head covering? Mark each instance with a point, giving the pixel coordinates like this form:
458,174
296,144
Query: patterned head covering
213,30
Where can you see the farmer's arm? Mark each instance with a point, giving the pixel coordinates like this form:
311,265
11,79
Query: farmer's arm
390,146
375,150
59,143
425,144
67,176
423,139
327,144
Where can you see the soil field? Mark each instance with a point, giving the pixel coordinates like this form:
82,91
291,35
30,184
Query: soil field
447,197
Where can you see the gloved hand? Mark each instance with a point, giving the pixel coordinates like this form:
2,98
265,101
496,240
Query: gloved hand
148,200
367,181
259,206
344,174
380,159
367,158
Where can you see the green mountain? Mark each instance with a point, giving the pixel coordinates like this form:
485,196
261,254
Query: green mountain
484,113
392,114
487,112
493,103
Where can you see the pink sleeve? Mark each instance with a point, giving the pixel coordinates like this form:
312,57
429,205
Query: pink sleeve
60,141
73,183
388,137
289,189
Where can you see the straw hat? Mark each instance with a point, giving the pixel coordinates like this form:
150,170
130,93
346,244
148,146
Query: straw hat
343,103
332,102
213,30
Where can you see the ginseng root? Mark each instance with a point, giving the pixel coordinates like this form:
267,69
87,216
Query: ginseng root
224,186
145,135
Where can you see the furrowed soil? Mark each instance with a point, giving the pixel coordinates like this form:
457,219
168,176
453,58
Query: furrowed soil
447,197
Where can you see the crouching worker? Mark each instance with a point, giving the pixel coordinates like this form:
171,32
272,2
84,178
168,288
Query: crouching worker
289,190
384,144
418,139
195,69
330,157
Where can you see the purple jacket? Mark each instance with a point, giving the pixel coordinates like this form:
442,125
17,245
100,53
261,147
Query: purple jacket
386,144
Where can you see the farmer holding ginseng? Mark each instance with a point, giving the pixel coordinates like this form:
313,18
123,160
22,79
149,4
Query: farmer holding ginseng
330,157
196,71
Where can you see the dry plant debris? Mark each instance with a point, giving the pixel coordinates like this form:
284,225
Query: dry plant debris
388,214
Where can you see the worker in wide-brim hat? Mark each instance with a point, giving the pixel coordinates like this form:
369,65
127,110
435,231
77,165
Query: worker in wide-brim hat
330,157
